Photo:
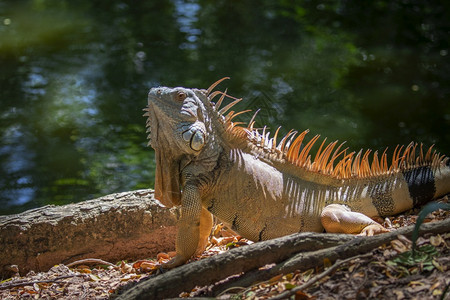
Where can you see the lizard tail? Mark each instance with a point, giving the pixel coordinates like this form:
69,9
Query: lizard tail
428,181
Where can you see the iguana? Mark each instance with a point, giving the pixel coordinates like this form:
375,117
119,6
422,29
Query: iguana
263,186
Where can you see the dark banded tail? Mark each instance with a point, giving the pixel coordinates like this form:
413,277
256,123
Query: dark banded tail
428,182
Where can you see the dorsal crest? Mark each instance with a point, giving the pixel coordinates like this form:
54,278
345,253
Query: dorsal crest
331,159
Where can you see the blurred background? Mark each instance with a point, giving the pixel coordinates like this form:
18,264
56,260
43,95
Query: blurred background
74,78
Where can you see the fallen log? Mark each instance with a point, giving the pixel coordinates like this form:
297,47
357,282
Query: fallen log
122,226
251,257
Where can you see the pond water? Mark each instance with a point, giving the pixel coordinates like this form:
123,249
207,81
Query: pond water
74,77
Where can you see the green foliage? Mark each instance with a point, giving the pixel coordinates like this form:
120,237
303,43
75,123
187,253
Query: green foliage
426,210
231,245
289,286
423,258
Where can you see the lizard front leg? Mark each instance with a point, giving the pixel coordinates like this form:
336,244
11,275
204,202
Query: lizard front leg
188,234
337,218
206,224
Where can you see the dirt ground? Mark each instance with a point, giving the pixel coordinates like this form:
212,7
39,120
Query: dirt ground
388,272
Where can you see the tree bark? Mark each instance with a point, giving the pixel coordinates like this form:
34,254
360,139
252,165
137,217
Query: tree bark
235,261
129,225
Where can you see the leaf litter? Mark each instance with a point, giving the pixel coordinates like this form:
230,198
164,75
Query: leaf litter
388,272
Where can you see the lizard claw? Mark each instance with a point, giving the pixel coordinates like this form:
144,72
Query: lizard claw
174,262
372,229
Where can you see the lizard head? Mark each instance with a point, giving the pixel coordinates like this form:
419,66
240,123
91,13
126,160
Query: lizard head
178,134
177,119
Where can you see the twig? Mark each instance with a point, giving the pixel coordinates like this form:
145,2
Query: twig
232,289
318,277
23,283
92,260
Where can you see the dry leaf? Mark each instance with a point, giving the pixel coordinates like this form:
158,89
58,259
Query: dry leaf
162,255
415,283
404,240
307,274
125,268
398,246
94,277
358,275
214,240
85,270
400,295
326,263
146,265
299,295
217,229
275,278
436,240
351,267
137,264
435,286
437,265
226,240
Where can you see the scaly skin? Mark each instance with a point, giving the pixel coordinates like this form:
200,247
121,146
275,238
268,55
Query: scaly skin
263,190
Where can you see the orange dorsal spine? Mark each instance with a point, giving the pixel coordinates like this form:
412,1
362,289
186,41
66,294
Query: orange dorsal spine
338,165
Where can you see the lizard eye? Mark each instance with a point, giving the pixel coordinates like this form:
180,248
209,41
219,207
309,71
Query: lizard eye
181,96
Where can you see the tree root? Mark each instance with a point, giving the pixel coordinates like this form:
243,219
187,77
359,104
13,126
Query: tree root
278,251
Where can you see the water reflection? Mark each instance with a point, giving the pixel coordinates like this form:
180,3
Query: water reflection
186,16
74,79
